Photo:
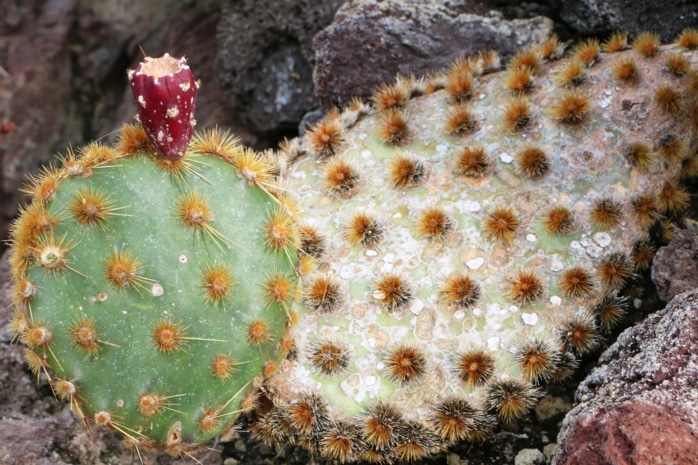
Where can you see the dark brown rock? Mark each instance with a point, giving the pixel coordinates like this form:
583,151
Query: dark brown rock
370,41
639,406
674,266
265,60
666,18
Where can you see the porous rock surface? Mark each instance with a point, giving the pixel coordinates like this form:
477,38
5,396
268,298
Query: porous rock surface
667,18
640,406
265,59
670,263
370,41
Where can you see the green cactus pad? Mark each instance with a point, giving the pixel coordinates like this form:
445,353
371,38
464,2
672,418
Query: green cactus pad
149,298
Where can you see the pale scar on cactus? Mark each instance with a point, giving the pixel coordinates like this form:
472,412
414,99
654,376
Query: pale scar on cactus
153,279
472,235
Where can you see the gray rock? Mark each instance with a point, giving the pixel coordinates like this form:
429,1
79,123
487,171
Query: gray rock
640,405
674,266
529,457
265,60
370,41
667,18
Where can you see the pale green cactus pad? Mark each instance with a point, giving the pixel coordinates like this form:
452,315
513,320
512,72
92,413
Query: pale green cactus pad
472,243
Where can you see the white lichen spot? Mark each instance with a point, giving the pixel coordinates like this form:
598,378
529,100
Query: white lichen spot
477,311
505,157
602,238
397,215
371,342
371,253
513,308
346,273
575,245
459,315
555,300
120,403
441,148
637,303
183,259
472,206
156,290
172,112
530,319
475,263
141,101
124,312
366,154
389,258
531,237
493,343
556,264
417,306
370,380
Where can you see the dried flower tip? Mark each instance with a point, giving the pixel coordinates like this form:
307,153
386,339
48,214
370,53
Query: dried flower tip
341,179
537,360
688,39
460,120
511,398
474,367
404,364
576,282
579,333
572,107
501,224
393,128
531,162
165,93
669,99
626,71
324,295
525,287
392,293
434,224
615,270
558,221
639,154
473,162
647,44
364,230
325,138
406,172
330,356
517,113
605,214
587,52
617,42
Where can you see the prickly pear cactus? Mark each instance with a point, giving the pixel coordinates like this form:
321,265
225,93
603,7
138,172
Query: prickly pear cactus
153,292
469,237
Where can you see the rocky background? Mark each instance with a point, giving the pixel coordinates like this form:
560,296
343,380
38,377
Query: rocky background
268,66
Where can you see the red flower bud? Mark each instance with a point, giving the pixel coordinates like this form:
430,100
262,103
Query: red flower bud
165,93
